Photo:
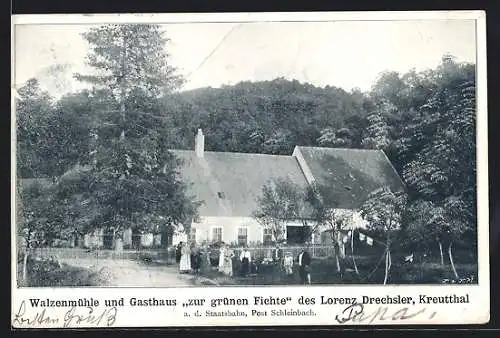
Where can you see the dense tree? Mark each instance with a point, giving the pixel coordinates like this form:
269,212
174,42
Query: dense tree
34,109
128,58
31,210
384,211
133,177
340,138
131,65
72,120
440,149
424,225
39,217
335,221
51,136
376,135
427,128
283,201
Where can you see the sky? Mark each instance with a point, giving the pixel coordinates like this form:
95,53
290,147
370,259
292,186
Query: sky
346,54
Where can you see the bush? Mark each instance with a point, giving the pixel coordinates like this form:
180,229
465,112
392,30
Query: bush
325,271
48,272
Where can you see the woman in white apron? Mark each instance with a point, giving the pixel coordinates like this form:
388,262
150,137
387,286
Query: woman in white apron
288,263
185,263
222,258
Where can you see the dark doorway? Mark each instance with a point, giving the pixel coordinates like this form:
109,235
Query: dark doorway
108,239
298,234
166,238
136,239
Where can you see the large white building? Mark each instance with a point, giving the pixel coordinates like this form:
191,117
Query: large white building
228,184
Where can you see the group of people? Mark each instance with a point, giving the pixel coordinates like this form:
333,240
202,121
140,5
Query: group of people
286,262
189,257
226,260
226,256
192,258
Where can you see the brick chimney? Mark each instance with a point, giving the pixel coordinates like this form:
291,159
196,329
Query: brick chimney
199,143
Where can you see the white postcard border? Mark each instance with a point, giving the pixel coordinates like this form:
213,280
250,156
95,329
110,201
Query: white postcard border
476,312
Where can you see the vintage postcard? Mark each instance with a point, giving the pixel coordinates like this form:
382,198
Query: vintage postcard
249,169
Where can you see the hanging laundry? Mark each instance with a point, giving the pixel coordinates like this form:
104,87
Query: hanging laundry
369,240
127,237
409,258
345,239
349,233
362,237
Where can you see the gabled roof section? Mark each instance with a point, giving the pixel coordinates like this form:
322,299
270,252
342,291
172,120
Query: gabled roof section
229,184
346,177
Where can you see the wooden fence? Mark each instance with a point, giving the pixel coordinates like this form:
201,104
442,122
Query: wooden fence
96,254
317,251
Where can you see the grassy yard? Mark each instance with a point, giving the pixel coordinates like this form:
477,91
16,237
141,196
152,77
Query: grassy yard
48,273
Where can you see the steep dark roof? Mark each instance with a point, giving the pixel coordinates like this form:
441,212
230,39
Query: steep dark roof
347,176
229,183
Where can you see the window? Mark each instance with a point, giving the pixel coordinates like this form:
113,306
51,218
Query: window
221,195
242,236
267,237
217,234
192,235
326,237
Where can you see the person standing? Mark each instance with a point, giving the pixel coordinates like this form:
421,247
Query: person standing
196,259
278,257
222,257
278,254
246,260
304,260
185,263
178,253
288,264
228,262
205,265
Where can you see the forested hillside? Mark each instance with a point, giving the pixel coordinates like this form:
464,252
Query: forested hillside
273,116
265,117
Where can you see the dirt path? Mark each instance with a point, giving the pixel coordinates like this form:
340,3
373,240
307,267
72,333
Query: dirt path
127,273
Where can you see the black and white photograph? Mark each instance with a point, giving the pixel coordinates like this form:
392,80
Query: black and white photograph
246,153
